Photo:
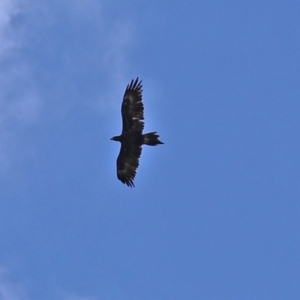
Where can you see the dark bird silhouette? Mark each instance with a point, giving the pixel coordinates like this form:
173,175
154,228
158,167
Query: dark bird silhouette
132,137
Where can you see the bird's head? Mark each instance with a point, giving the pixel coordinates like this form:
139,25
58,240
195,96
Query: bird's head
116,138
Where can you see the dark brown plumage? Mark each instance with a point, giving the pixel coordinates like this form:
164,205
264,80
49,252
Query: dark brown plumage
132,137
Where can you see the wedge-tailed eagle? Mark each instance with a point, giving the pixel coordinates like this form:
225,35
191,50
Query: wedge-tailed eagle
132,137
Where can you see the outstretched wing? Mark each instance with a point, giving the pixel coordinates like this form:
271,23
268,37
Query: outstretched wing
128,162
133,108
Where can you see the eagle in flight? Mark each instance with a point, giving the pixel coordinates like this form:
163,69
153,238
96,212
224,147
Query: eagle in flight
132,137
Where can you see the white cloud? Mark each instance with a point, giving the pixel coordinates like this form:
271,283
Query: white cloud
8,9
44,56
79,37
111,39
48,49
10,289
17,104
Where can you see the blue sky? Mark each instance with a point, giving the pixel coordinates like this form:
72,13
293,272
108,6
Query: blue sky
215,212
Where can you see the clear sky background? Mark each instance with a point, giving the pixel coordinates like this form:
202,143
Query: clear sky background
215,212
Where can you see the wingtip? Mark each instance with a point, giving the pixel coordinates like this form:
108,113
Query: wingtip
135,84
130,184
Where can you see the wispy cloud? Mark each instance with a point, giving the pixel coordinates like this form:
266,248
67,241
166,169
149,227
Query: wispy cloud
55,55
60,50
13,289
8,9
18,98
9,288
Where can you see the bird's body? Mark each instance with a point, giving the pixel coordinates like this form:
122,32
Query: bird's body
132,137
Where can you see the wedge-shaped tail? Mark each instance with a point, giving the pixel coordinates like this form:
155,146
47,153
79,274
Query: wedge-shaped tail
151,139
